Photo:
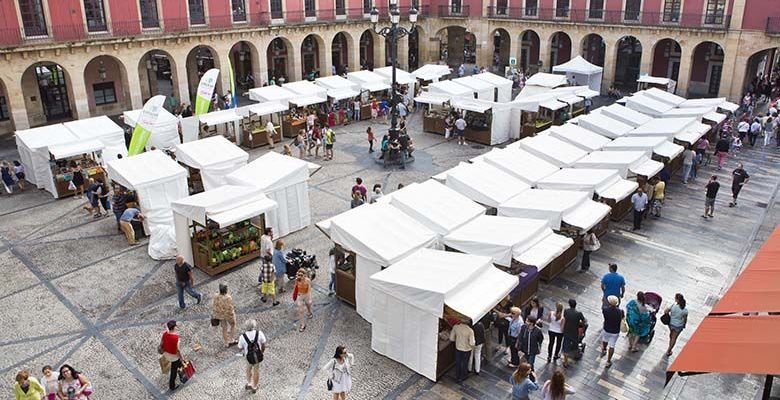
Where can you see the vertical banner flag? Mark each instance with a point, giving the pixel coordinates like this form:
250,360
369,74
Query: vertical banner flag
205,91
233,98
143,127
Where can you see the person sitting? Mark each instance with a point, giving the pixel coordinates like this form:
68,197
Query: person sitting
393,151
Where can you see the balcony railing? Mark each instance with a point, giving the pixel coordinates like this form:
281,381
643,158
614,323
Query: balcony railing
613,17
773,25
10,37
454,11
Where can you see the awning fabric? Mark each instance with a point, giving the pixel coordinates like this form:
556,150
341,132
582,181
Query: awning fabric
579,136
271,93
552,105
715,117
341,94
572,207
220,117
555,151
546,80
647,105
303,101
401,76
603,125
664,96
225,205
520,164
431,72
306,88
479,106
66,150
606,183
625,115
484,183
267,108
427,98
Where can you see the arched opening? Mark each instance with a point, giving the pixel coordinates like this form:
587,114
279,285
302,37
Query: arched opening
280,62
529,52
627,63
706,70
414,49
245,62
501,44
666,59
594,49
340,53
47,94
6,120
560,48
310,56
367,50
157,74
199,60
108,92
758,70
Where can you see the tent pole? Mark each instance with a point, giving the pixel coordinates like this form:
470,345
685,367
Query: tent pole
767,387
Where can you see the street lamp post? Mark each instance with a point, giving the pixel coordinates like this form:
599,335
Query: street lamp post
394,32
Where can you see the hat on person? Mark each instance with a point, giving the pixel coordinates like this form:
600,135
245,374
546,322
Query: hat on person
612,300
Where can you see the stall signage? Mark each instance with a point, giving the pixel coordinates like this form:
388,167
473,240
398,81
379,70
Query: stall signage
205,91
143,128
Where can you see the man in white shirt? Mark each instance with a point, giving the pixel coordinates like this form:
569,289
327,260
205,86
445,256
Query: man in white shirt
251,340
742,128
460,128
638,203
463,336
270,131
755,129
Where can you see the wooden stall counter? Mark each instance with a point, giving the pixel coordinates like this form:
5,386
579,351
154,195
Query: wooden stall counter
62,181
478,134
217,250
258,137
433,123
619,209
290,127
365,112
559,264
345,283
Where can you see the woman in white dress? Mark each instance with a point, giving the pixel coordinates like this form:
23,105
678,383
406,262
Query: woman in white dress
339,369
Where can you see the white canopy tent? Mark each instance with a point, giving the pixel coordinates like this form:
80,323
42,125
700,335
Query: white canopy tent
409,299
229,117
646,80
629,163
214,156
306,88
579,136
165,131
695,112
582,72
158,181
625,115
503,86
60,151
224,205
550,149
481,89
484,183
546,80
714,117
606,183
667,127
104,129
450,89
664,96
500,115
262,109
603,125
528,241
431,72
659,145
33,146
401,76
380,235
342,94
368,81
574,208
434,99
272,93
336,82
304,101
719,103
283,179
647,105
520,164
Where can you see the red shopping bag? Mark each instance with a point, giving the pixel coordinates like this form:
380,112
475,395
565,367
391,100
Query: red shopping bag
187,371
295,293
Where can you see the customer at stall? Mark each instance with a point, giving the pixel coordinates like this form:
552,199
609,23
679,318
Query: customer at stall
126,223
572,320
280,265
77,178
329,138
460,130
529,340
300,143
119,205
475,359
463,336
515,323
268,280
270,132
302,297
638,205
590,243
370,137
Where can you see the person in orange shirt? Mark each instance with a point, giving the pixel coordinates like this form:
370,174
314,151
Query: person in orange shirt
303,299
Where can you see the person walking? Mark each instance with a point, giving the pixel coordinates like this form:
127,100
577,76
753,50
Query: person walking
678,318
170,350
463,336
267,244
360,188
252,343
638,204
659,192
460,130
7,177
371,138
339,369
27,387
475,360
515,323
722,150
19,174
357,200
330,139
739,177
743,128
612,284
280,265
225,313
126,223
556,387
332,271
184,281
709,202
769,130
73,385
119,205
638,321
611,328
555,331
572,319
268,280
376,193
523,382
103,196
755,129
688,156
590,243
302,297
530,340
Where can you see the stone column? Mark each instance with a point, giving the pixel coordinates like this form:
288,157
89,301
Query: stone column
379,51
326,57
134,84
16,103
181,78
80,98
608,77
545,51
684,76
646,64
403,52
353,52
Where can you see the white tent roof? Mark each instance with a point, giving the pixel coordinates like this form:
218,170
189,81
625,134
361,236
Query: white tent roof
667,127
211,151
546,80
713,116
101,128
450,88
145,169
552,150
427,98
401,76
379,232
220,117
556,206
579,136
65,150
336,82
266,108
306,88
476,85
649,144
463,103
587,93
604,125
493,79
654,80
439,208
224,205
625,115
271,93
431,72
344,93
604,182
689,137
163,118
303,101
520,164
553,105
47,135
270,172
696,112
664,96
578,65
636,162
571,99
647,105
368,80
484,183
719,102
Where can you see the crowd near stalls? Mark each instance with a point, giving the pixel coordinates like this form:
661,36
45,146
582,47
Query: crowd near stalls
255,128
341,96
209,160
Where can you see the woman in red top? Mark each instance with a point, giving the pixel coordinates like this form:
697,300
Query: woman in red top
169,348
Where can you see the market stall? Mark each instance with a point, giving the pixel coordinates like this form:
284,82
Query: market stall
341,94
402,77
525,120
374,236
283,179
209,160
605,184
271,93
576,105
515,243
664,96
542,82
550,149
551,112
715,121
603,125
719,103
647,105
581,72
520,164
484,184
450,89
486,122
658,147
481,90
88,154
253,126
157,181
416,297
33,147
694,112
220,229
225,123
434,112
431,73
103,129
165,131
630,164
503,86
646,81
578,136
684,131
372,88
625,115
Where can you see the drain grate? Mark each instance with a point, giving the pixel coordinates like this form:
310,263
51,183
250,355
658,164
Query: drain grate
761,204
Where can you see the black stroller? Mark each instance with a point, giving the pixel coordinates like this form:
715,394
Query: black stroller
297,259
653,302
581,340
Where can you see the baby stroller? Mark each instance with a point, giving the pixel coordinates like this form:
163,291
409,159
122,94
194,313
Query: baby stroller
297,259
653,302
581,340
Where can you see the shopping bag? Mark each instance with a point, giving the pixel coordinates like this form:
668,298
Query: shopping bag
623,326
71,185
165,365
295,293
187,371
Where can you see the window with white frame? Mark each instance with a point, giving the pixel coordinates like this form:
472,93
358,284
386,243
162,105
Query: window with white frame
239,10
633,8
197,12
562,8
33,18
715,12
149,16
95,14
277,11
531,8
596,9
672,10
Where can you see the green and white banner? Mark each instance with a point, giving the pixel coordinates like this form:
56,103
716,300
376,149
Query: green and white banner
144,125
205,91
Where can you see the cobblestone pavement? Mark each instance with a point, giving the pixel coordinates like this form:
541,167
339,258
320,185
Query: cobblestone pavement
73,290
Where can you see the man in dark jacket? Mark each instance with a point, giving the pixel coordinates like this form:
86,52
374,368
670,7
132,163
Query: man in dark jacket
530,339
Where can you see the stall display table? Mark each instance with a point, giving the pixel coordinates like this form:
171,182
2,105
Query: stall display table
559,264
290,127
433,123
218,250
365,112
619,209
62,181
477,134
527,287
445,358
258,137
345,283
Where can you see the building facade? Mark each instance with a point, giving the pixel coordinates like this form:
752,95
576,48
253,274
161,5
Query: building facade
68,59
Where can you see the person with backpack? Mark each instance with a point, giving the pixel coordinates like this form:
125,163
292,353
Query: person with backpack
252,343
339,369
330,138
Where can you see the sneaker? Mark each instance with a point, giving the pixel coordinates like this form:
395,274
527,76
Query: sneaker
276,303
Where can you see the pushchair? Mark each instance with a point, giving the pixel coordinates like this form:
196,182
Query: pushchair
581,340
653,302
297,259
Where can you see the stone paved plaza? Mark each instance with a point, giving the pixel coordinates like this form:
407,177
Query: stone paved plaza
73,290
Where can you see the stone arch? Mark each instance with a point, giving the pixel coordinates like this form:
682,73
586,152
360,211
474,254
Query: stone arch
281,59
157,74
341,46
417,48
6,115
529,51
200,59
560,48
706,69
105,78
628,61
593,48
502,42
456,45
667,55
367,45
312,55
48,94
759,65
245,60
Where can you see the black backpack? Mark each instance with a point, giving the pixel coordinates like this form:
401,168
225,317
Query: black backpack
254,353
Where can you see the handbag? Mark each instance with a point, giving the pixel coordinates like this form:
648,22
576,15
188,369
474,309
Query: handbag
71,185
214,322
165,365
666,319
330,380
186,371
623,326
295,293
